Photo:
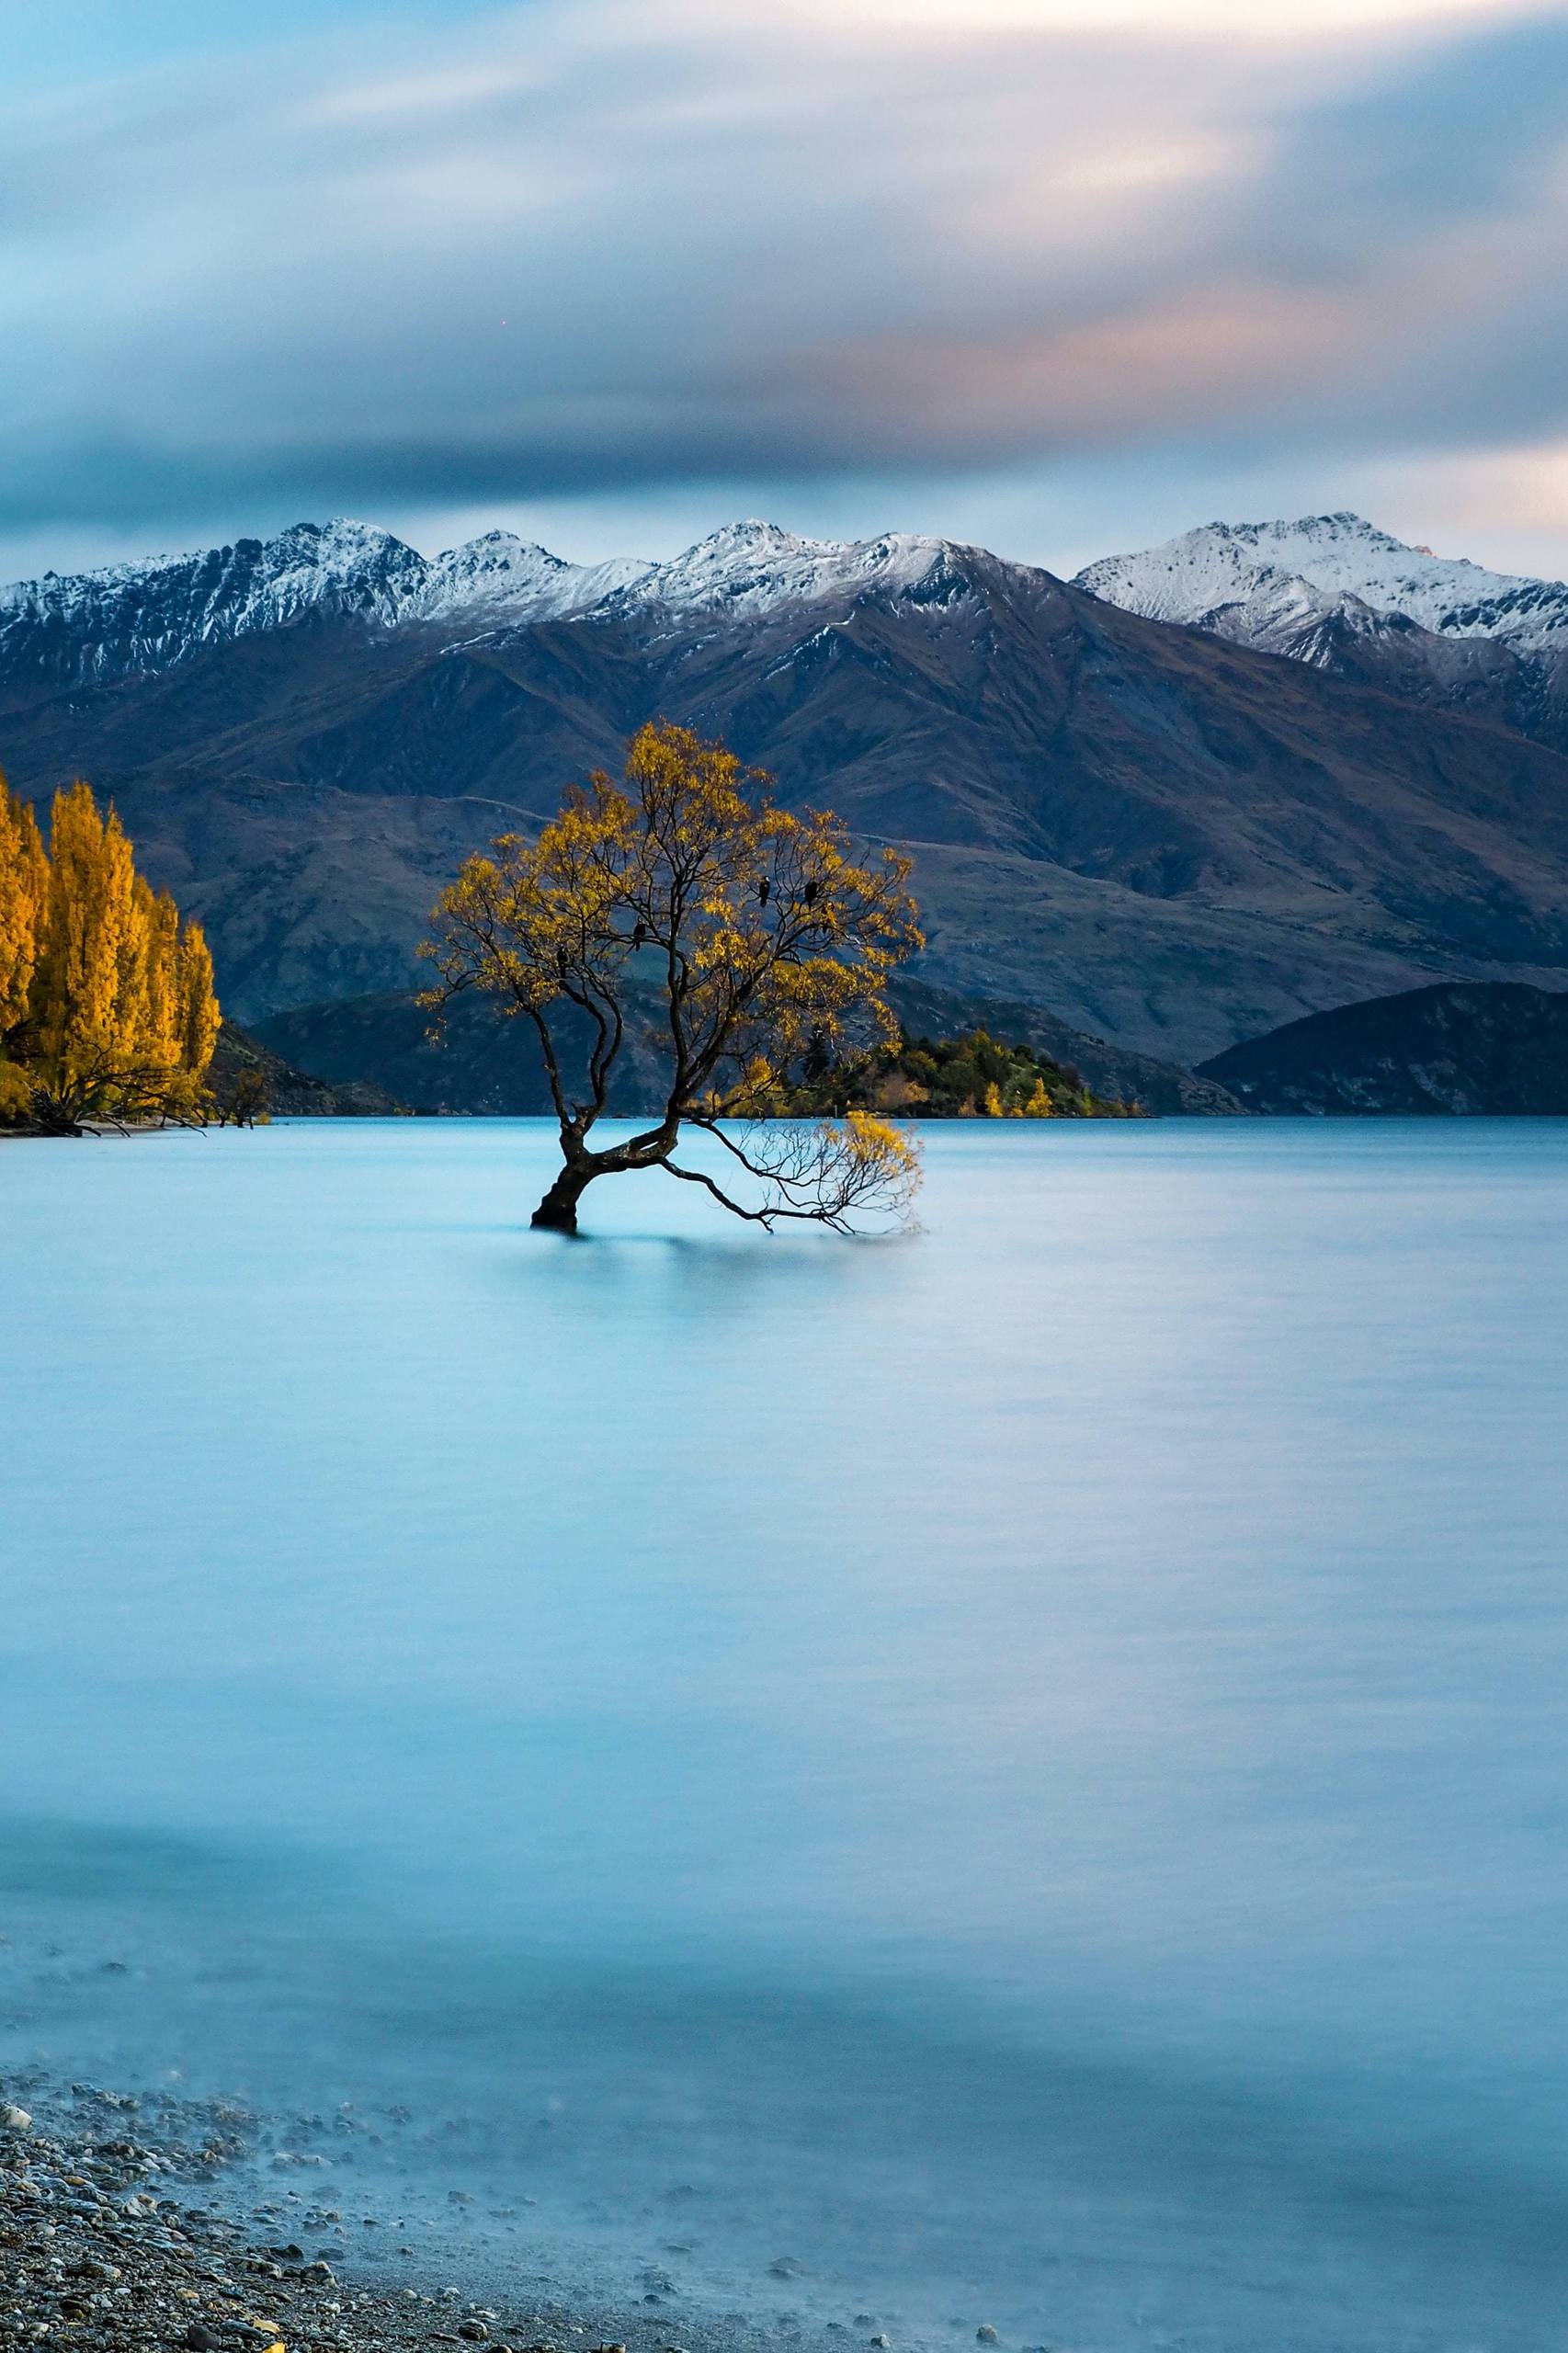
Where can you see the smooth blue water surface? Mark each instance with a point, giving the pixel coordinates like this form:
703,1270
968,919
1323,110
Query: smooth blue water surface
1024,1768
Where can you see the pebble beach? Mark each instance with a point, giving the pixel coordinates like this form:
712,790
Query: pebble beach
116,2233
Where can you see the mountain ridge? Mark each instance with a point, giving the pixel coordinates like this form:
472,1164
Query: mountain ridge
1336,592
142,617
1168,840
1257,583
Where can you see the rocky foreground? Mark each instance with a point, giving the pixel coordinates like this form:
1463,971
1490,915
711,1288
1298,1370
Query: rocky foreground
104,2245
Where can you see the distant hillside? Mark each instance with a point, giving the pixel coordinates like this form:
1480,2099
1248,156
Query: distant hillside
1469,1048
288,1093
490,1064
484,1064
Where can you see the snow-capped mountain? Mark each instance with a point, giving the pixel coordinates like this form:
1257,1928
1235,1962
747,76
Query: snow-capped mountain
504,576
1329,589
143,617
753,568
131,617
1156,833
128,619
1334,591
1273,585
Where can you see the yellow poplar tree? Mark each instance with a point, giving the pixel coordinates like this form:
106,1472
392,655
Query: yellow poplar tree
76,985
197,1002
107,1007
163,1024
24,887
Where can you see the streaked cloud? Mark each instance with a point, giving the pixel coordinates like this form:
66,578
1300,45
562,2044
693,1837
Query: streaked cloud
542,254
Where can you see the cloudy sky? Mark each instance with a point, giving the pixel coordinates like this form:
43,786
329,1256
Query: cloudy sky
1062,276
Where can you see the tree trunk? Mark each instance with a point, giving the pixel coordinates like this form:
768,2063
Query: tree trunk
49,1119
558,1210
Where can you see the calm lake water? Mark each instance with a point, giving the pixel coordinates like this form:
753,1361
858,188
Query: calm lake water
1022,1771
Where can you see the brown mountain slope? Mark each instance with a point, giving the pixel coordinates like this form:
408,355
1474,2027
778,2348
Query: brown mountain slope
1165,839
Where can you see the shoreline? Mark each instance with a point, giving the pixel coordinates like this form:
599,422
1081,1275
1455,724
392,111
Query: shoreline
114,2237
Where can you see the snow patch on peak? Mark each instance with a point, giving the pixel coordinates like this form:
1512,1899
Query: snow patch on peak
498,563
735,562
750,533
502,547
1251,580
512,579
341,565
755,567
340,541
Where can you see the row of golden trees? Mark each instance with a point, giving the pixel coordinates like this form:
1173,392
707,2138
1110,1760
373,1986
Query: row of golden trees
106,1004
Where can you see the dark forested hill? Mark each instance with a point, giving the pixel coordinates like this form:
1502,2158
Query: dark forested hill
247,1076
1499,1049
486,1064
1166,839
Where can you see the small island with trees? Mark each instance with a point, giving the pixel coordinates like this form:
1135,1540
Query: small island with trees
974,1077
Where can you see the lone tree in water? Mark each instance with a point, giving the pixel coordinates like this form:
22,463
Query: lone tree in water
768,949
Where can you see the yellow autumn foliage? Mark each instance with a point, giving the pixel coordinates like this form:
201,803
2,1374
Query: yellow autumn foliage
24,884
108,1009
766,939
